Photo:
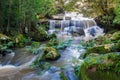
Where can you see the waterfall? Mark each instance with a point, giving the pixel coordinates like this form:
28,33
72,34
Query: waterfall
52,24
77,25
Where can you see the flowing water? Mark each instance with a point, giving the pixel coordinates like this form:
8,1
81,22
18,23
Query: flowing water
76,26
16,66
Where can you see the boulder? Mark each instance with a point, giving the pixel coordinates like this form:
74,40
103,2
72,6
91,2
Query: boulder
105,62
50,53
97,49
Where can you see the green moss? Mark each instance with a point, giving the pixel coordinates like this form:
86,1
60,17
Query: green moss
116,36
108,62
50,53
98,50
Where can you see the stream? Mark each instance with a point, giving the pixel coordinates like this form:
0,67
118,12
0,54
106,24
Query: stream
16,65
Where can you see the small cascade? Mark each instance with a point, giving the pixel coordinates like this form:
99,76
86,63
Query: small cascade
14,62
76,26
93,32
52,24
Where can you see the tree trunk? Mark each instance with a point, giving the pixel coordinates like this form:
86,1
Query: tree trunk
8,24
8,20
0,17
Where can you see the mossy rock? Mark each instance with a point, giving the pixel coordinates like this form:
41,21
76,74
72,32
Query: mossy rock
97,49
116,36
50,53
108,62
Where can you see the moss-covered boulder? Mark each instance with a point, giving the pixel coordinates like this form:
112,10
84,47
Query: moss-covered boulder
97,50
105,62
50,53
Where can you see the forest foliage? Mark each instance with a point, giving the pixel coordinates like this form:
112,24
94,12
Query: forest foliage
21,16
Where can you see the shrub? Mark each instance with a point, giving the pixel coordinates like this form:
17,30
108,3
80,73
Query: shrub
34,48
20,40
52,43
116,36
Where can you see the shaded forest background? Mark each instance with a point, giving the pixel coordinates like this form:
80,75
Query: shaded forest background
22,16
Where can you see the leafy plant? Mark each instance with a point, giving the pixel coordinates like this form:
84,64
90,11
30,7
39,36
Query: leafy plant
34,48
52,42
117,12
59,45
6,46
63,45
41,65
20,40
87,44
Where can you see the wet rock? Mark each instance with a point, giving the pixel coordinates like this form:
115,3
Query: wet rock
54,69
58,16
69,73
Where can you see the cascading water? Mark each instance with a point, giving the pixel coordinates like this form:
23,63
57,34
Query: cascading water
79,25
14,66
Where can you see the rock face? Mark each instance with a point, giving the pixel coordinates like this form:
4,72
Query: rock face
50,53
58,16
